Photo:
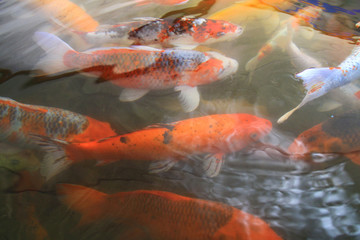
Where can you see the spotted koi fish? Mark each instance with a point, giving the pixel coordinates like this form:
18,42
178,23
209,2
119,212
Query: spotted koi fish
184,217
337,135
165,144
185,32
139,69
319,81
18,121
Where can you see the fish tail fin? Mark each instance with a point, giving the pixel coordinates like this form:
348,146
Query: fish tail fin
314,79
55,159
55,50
82,199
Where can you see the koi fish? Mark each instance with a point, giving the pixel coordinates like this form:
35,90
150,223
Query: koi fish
18,121
319,81
337,135
139,69
66,13
163,145
184,217
184,32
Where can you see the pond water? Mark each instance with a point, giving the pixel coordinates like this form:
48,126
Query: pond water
317,199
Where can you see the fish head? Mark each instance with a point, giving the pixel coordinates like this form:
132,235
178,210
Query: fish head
225,66
210,31
253,128
313,140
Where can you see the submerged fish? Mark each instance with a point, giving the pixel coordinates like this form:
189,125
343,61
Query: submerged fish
337,135
319,81
165,215
139,69
282,39
184,32
66,13
165,144
18,121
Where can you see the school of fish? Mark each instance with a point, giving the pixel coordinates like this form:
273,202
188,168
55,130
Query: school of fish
156,54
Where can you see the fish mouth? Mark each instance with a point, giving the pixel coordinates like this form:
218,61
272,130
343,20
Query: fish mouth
230,65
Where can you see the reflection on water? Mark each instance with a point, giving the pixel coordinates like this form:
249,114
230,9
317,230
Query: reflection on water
317,198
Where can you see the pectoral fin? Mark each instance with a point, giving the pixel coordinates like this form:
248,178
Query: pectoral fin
212,164
132,94
189,97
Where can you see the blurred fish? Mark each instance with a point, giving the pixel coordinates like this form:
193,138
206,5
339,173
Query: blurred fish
282,39
165,215
66,14
248,12
184,32
18,121
164,144
337,135
139,69
319,81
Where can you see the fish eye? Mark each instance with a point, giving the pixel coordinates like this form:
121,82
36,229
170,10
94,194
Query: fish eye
219,34
254,135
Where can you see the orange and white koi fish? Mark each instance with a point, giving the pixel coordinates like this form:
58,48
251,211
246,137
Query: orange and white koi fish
66,13
185,32
337,135
165,215
319,81
139,69
165,144
18,121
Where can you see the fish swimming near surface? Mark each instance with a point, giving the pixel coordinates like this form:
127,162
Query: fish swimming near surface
337,135
319,81
184,32
18,121
66,14
139,69
165,215
209,137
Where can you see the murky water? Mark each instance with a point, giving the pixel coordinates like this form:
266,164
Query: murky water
300,200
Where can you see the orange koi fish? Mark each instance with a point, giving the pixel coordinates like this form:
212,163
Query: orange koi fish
139,69
165,144
337,135
66,13
18,121
184,32
165,215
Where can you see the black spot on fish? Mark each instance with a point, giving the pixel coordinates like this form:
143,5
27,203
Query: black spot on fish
346,127
124,140
167,137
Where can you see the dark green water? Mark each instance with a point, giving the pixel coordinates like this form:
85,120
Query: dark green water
299,200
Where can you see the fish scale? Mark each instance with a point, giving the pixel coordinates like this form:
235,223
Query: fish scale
18,121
